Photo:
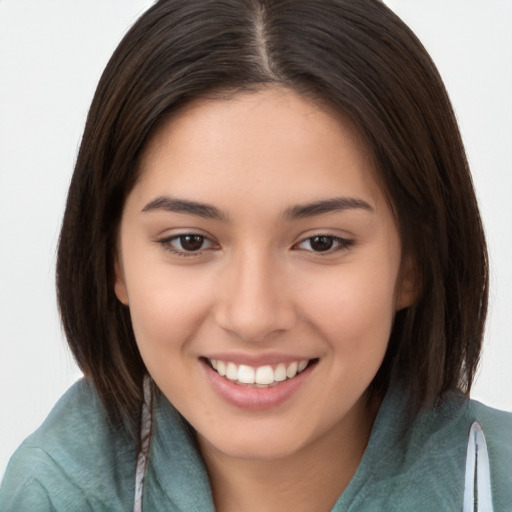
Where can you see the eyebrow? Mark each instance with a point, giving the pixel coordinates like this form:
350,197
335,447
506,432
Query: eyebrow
336,204
170,204
207,211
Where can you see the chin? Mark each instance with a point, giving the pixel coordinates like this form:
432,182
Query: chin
252,446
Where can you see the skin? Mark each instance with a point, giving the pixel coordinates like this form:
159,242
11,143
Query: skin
256,287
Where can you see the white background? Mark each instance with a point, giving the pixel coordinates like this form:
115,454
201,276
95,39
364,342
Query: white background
51,55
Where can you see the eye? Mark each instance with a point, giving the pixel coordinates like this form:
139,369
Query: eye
324,243
187,244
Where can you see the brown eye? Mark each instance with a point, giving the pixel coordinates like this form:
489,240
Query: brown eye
188,244
324,243
191,242
321,243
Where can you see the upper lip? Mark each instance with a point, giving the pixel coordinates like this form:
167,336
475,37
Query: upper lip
257,360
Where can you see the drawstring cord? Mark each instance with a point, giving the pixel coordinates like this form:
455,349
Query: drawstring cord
477,488
146,428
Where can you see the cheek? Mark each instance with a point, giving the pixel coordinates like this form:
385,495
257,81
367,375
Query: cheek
166,307
164,322
354,309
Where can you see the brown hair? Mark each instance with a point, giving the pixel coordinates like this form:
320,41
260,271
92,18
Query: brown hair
358,57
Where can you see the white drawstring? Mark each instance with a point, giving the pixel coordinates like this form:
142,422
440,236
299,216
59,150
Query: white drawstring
146,427
477,489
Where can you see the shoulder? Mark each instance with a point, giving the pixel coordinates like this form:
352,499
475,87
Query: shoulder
76,460
497,425
418,462
453,420
497,428
444,432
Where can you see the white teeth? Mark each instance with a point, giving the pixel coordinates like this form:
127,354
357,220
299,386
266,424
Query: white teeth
245,374
280,373
263,376
231,371
221,368
291,371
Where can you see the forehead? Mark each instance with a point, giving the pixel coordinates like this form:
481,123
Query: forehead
271,108
269,142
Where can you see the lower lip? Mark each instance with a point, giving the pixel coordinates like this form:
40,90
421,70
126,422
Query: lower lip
255,399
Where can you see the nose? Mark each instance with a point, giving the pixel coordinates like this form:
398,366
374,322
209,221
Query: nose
254,303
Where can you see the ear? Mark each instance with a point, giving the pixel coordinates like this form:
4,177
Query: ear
119,281
408,288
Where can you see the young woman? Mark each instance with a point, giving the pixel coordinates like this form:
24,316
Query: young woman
273,274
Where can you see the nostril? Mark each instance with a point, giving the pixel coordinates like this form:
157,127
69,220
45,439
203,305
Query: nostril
254,322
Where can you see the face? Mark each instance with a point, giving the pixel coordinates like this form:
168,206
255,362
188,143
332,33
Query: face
260,262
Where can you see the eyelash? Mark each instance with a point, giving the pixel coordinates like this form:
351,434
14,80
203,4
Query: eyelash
337,244
336,241
167,244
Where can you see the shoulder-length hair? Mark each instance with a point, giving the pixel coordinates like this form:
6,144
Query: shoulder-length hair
359,58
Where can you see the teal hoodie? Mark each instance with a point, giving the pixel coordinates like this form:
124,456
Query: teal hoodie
77,461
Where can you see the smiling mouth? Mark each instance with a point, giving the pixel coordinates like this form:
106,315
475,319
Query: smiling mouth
265,376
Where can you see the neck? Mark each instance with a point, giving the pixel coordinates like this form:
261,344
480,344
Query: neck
312,478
